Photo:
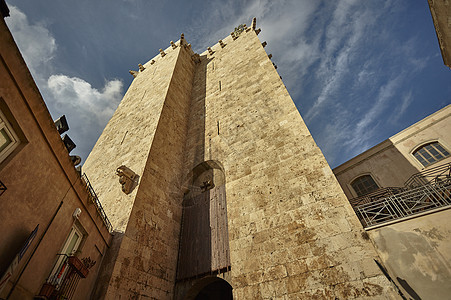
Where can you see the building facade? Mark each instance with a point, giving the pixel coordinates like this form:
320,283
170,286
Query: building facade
401,191
218,190
418,148
53,235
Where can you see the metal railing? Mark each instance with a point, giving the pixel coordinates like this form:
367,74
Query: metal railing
432,175
424,191
95,200
64,279
377,194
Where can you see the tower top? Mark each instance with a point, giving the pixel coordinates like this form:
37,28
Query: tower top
241,29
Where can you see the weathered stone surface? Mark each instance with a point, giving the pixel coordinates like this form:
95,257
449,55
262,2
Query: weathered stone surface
292,233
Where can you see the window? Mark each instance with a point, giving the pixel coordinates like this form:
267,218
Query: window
70,247
8,138
430,153
364,185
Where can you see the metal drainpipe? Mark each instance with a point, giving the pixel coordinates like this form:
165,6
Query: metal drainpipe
34,250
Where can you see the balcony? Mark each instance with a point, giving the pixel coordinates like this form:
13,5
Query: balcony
63,282
422,193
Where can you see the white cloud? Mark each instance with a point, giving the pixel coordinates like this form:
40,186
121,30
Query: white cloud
400,109
343,35
82,98
35,41
87,109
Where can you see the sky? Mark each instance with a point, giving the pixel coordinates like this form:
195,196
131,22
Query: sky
358,71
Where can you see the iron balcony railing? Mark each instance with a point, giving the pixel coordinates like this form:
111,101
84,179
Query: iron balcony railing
64,279
423,192
95,200
373,196
433,175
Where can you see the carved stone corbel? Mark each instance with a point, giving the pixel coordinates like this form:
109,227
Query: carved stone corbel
127,178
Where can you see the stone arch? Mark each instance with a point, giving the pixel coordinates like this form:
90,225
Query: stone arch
209,169
210,287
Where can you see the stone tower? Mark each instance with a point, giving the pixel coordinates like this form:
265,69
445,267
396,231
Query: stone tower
221,187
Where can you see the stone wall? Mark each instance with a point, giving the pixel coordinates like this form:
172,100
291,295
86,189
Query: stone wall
292,232
155,113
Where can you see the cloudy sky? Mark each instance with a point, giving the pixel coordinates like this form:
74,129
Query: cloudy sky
358,71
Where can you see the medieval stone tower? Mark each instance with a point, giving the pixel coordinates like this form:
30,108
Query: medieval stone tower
221,188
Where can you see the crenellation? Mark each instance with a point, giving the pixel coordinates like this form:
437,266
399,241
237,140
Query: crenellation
133,73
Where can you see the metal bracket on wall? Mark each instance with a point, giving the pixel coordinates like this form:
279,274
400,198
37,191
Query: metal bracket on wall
2,188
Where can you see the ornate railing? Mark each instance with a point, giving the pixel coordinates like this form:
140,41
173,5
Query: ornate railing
373,196
440,173
95,200
423,192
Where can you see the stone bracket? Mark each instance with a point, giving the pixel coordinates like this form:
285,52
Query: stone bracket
127,178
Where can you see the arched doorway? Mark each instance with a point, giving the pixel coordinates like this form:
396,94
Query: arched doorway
204,241
210,288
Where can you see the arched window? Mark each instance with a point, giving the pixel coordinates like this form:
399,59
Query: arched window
364,185
430,153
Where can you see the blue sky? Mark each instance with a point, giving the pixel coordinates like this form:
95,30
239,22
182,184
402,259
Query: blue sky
358,71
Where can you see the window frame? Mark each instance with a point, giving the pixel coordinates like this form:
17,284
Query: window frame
62,255
11,134
353,190
423,146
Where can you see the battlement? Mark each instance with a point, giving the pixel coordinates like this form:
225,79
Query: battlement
162,53
210,52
